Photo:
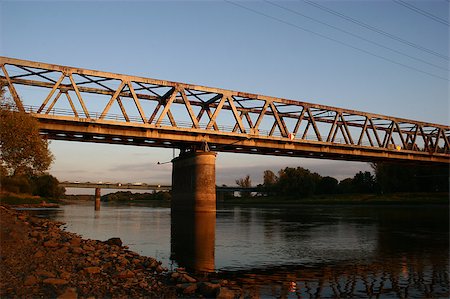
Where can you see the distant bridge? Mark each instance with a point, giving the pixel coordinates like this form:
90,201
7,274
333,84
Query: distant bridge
93,106
144,186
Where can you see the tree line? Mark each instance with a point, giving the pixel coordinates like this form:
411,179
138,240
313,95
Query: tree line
387,177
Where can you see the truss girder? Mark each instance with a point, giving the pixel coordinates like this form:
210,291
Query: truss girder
89,96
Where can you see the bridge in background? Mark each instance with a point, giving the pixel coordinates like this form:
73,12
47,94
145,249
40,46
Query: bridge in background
127,186
144,186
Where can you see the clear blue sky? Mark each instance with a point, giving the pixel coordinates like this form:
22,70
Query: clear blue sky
269,48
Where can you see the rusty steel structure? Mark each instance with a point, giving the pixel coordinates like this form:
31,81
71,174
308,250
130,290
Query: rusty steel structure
94,106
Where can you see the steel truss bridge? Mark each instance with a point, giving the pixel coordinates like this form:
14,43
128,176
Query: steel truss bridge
93,106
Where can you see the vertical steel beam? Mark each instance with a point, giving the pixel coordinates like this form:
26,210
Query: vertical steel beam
13,91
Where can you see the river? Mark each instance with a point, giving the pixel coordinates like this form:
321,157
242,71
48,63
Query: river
297,251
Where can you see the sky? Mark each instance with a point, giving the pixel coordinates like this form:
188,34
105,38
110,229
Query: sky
375,56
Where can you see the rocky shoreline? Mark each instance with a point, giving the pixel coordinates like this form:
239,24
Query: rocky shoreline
38,259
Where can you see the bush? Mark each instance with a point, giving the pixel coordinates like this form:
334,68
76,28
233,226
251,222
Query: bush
47,186
44,185
16,184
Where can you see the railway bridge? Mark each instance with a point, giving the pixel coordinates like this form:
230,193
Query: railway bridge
77,104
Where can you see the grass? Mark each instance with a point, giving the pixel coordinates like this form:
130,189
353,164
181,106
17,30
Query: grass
22,199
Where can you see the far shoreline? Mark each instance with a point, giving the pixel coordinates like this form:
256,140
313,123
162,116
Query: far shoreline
427,198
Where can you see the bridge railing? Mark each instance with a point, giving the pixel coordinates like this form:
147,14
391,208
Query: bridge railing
49,90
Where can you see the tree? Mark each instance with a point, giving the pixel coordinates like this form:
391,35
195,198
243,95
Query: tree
396,177
346,186
270,181
328,185
245,182
297,181
22,149
47,185
364,182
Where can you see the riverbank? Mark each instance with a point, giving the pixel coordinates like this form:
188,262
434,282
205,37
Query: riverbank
39,259
346,199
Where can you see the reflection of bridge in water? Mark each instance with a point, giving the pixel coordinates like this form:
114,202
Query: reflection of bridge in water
410,279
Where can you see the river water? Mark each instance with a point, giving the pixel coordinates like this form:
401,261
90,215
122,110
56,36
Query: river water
298,251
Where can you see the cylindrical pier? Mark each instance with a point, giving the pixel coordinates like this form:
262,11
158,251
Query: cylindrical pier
194,182
97,198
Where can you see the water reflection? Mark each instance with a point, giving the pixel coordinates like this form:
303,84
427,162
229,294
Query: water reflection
290,252
410,278
193,240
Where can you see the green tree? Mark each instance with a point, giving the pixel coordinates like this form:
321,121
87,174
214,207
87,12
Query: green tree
269,181
245,182
346,186
364,182
396,177
47,186
297,182
328,185
22,149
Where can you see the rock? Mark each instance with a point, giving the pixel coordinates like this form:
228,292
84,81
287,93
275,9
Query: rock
39,254
190,289
225,293
30,280
65,275
69,293
75,241
187,288
175,276
55,281
126,274
189,279
88,248
51,244
34,234
45,273
143,285
77,250
123,261
92,270
208,289
136,261
114,241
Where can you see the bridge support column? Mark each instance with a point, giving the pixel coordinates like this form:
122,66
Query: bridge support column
97,199
194,182
193,210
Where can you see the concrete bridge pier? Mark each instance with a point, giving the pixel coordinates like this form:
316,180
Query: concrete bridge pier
194,182
193,210
97,198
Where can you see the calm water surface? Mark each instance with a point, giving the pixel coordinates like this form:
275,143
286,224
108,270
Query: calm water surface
292,251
